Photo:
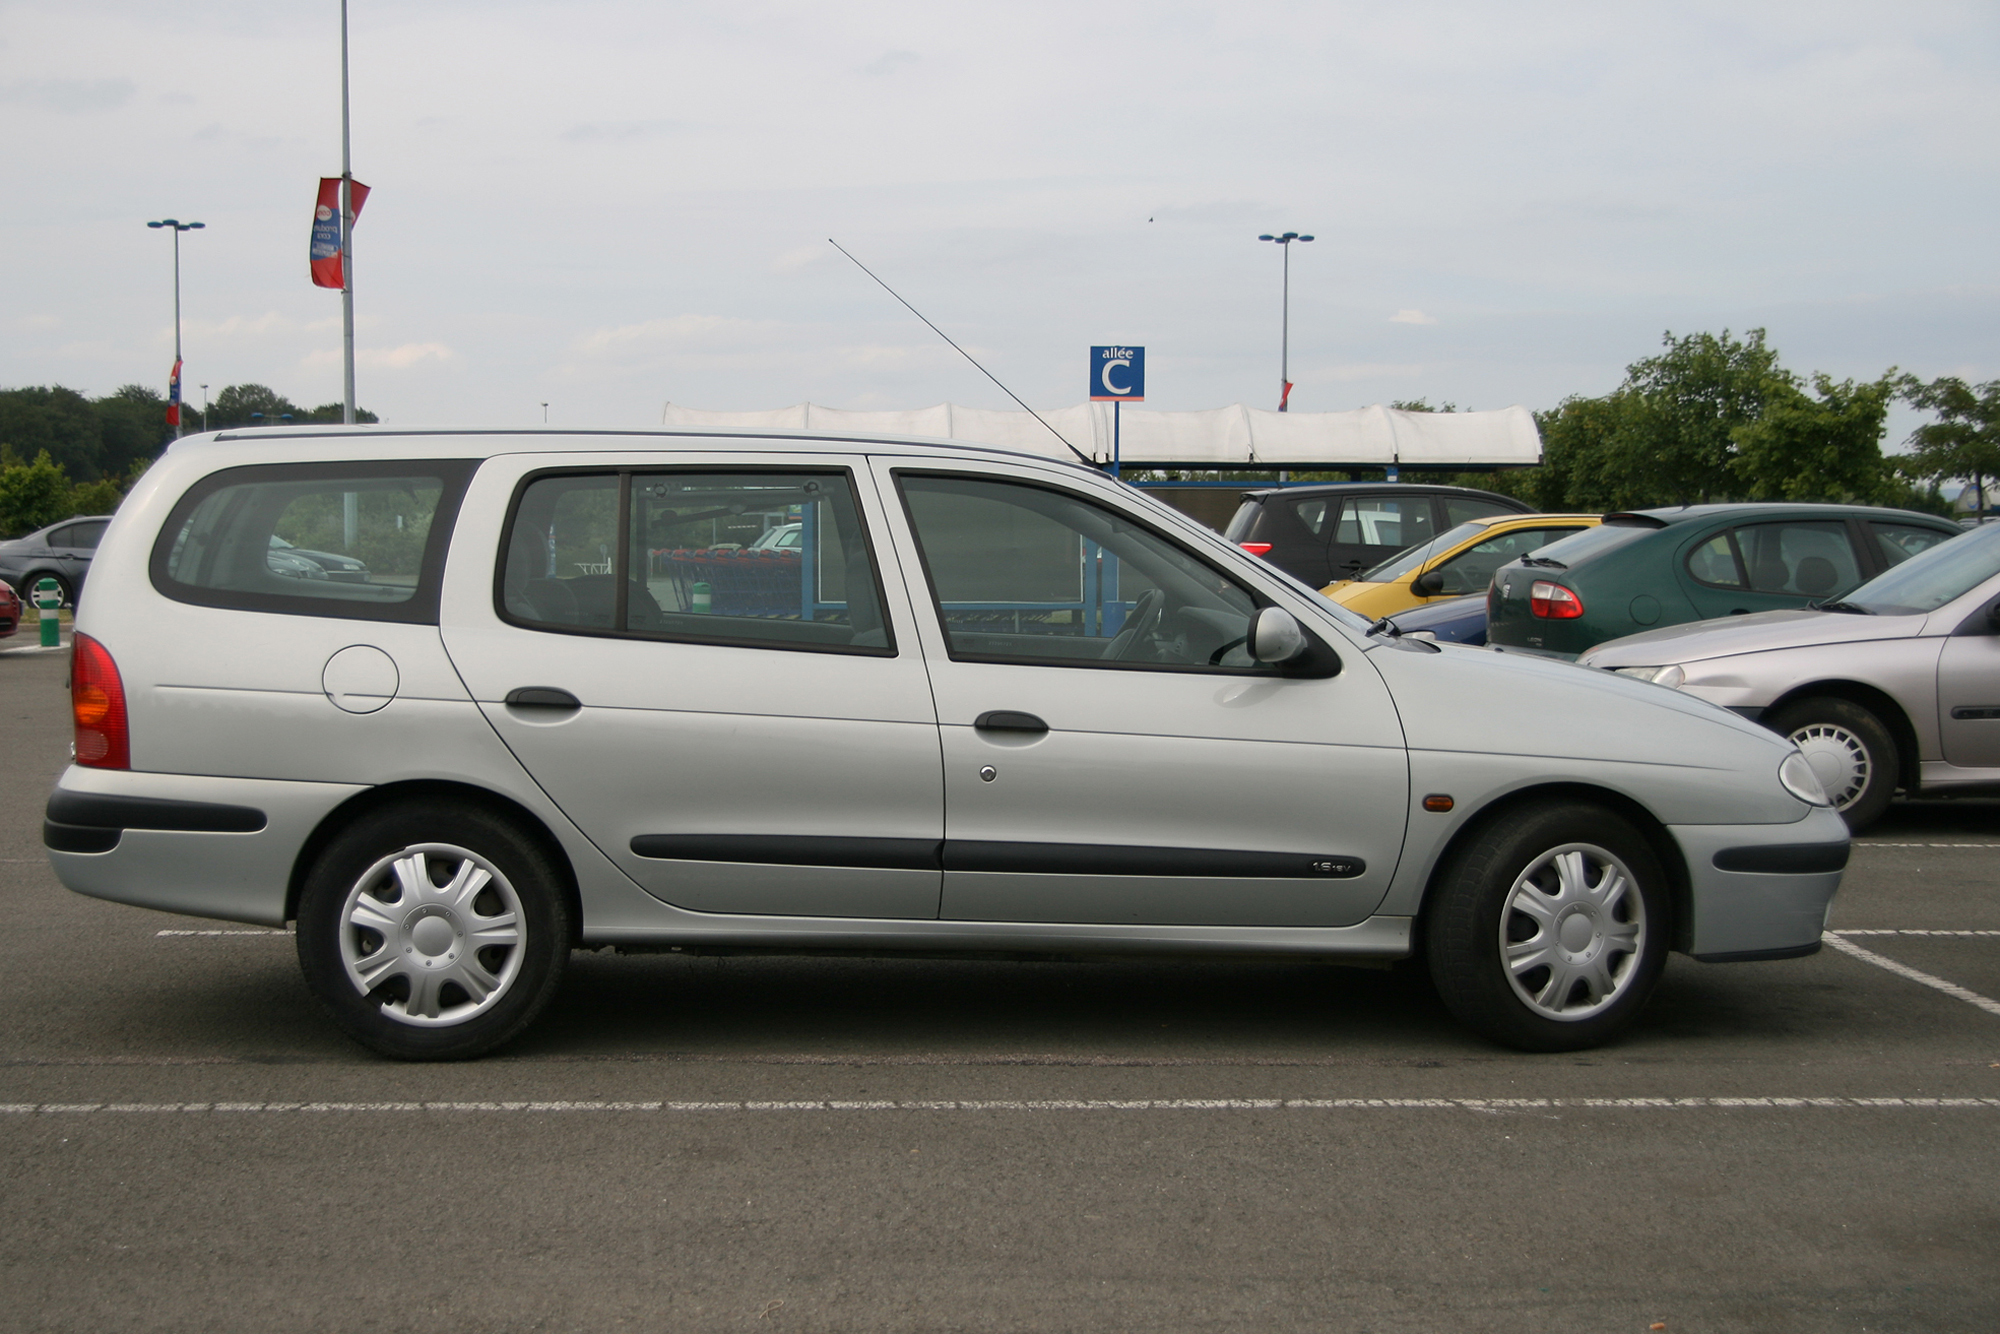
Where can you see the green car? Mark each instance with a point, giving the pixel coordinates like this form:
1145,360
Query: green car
1647,568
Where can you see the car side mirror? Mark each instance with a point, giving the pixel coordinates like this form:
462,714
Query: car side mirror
1275,637
1428,584
1993,618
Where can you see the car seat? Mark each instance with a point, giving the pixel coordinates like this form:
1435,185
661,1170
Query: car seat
1816,577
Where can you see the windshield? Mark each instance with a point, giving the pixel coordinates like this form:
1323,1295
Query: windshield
1399,565
1929,579
1581,546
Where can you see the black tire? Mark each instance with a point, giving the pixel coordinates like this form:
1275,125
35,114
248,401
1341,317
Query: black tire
406,1010
1608,961
28,582
1853,752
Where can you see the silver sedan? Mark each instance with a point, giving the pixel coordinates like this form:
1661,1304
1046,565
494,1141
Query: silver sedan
1897,685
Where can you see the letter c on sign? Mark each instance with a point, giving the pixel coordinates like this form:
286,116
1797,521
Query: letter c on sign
1109,387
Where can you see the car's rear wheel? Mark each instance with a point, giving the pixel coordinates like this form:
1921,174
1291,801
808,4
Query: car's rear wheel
432,931
1549,928
1849,748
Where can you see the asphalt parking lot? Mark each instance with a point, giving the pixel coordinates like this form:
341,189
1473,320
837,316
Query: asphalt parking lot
836,1144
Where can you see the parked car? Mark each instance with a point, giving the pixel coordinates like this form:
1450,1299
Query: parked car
344,568
1445,620
1453,564
1897,685
1015,706
1318,534
784,537
1651,568
61,551
10,611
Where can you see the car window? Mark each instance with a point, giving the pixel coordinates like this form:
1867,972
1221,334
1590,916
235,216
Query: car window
1390,524
384,525
1312,513
1471,571
60,537
1805,559
1579,547
1398,566
86,536
1714,563
1899,541
673,556
1457,509
1021,573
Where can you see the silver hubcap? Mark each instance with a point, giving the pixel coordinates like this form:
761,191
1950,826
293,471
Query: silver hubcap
1571,931
1839,758
433,933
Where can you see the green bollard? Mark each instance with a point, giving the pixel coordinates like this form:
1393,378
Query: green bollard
48,599
700,598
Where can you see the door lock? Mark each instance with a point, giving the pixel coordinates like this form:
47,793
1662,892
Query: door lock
987,773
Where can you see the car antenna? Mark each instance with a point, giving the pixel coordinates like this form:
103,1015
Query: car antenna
963,353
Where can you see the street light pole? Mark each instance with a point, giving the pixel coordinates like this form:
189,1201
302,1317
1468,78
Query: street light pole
346,234
179,227
1284,241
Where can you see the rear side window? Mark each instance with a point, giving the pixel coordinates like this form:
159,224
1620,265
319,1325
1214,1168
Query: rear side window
1897,542
748,558
361,541
1389,524
1458,509
85,536
1312,513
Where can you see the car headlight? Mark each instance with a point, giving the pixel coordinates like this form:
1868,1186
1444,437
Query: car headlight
1799,779
1670,676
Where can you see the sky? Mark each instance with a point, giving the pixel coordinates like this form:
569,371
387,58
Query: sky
607,205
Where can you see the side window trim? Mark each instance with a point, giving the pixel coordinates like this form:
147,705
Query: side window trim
930,585
621,566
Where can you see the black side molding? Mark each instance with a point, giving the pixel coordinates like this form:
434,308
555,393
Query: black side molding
1785,859
1111,859
898,854
96,811
1760,956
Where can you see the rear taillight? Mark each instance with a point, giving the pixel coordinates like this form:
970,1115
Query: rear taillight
1256,548
1553,601
97,698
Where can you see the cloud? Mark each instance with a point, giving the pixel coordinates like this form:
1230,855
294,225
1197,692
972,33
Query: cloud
1412,317
794,260
382,358
697,333
69,95
889,62
619,131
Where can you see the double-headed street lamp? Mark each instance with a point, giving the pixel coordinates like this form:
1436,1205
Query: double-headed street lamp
178,227
1284,240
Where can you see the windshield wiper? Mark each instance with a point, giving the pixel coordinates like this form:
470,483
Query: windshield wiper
1850,608
1543,562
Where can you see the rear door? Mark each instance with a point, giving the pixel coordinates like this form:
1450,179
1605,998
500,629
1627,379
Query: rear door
1111,754
742,731
1770,566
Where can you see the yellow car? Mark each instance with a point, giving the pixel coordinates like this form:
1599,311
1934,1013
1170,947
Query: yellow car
1452,564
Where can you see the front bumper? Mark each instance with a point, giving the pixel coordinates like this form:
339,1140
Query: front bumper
196,858
1762,891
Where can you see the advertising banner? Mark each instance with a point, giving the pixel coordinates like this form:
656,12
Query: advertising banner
325,256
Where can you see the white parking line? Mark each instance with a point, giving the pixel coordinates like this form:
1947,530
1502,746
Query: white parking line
1482,1105
1869,843
265,932
1915,975
1907,931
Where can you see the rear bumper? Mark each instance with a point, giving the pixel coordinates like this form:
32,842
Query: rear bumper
208,847
1773,901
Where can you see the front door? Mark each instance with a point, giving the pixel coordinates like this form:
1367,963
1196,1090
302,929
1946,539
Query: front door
740,728
1111,752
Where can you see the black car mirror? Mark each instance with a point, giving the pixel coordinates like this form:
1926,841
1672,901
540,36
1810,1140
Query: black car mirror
1993,618
1428,584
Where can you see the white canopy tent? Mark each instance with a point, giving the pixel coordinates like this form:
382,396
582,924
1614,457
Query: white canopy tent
1231,437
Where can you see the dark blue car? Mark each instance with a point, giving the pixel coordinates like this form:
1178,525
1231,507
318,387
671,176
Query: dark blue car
1452,621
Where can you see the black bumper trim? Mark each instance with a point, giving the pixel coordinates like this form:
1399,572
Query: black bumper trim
1760,956
96,811
1785,858
78,837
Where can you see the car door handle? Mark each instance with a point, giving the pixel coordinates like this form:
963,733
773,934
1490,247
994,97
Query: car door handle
542,697
1009,720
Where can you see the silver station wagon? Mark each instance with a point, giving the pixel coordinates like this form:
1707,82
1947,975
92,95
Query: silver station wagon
986,702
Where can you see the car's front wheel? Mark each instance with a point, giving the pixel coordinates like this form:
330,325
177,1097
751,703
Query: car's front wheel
1550,927
432,930
1850,750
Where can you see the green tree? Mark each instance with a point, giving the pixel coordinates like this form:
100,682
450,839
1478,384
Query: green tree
1825,448
1964,441
132,424
237,405
58,420
32,494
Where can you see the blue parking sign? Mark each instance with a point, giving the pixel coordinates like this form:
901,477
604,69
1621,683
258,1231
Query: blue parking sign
1117,374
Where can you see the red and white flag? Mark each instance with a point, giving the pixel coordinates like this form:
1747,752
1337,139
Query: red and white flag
1285,398
174,396
325,256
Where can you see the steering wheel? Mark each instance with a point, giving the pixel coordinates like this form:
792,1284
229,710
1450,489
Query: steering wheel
1139,626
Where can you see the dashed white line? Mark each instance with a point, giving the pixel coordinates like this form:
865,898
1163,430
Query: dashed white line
265,932
1872,844
1908,931
1915,975
1482,1105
